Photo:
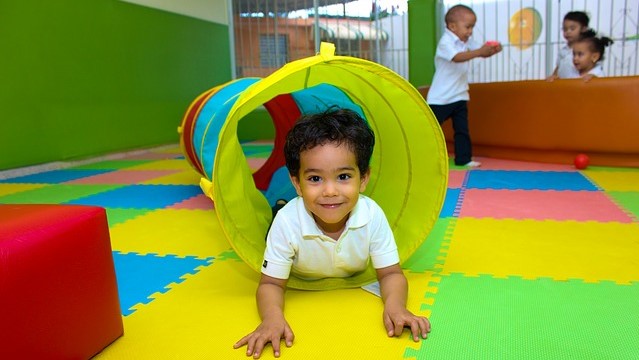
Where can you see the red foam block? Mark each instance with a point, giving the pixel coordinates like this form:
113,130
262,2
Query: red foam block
59,297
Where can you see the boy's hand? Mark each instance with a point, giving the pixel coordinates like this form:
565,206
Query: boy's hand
396,319
490,48
394,289
269,331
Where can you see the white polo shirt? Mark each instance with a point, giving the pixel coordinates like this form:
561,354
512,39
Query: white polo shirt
597,71
295,244
565,68
450,82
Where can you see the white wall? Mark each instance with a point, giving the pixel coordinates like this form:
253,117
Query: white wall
209,10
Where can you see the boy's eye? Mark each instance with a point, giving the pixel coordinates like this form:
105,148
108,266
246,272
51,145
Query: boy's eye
344,177
314,178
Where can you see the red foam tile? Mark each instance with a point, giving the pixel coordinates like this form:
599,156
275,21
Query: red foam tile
153,156
123,177
541,205
456,178
502,164
199,202
255,163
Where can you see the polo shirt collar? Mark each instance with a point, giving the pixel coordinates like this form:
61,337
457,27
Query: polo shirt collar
455,37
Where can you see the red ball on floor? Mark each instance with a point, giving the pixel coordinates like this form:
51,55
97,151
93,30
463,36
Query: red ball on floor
581,161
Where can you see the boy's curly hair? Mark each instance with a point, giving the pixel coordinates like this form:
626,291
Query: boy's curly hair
336,126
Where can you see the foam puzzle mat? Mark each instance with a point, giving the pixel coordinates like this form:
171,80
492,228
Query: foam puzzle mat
526,261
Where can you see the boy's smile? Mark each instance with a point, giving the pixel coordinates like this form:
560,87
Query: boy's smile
329,182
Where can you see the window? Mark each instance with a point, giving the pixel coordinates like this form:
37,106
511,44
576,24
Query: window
273,50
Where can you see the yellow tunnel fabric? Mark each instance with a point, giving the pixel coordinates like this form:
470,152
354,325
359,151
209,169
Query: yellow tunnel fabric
409,167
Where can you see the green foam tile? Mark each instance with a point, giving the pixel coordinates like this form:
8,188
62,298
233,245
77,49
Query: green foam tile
629,200
488,318
55,194
609,168
425,257
119,216
228,255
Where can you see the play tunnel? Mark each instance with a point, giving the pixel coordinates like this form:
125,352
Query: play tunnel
409,167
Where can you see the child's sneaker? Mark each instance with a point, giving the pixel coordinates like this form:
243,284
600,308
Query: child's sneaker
472,164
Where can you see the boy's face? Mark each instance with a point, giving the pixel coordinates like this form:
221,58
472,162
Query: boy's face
463,25
582,56
329,182
572,30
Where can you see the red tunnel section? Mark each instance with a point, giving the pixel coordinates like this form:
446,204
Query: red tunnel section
284,112
188,126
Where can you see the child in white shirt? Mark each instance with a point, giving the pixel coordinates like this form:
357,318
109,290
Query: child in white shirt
588,53
575,24
330,229
448,94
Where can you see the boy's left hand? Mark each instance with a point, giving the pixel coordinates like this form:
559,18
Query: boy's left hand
396,319
490,48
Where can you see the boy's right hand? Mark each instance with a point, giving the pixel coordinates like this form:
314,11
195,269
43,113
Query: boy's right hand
490,49
269,331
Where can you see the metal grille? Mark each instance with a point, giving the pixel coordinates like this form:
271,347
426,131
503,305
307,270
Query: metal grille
375,31
530,53
378,31
273,50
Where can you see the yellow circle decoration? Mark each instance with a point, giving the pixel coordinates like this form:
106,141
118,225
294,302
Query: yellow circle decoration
524,28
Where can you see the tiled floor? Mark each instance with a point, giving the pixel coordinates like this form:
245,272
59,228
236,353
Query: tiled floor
527,261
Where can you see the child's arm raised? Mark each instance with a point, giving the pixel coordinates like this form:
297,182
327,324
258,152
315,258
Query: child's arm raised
394,290
487,50
274,327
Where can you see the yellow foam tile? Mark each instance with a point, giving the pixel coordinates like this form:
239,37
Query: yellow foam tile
188,177
168,164
203,316
531,249
6,189
615,181
420,285
181,232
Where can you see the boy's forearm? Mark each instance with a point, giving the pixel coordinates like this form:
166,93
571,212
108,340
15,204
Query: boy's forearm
270,301
394,289
466,55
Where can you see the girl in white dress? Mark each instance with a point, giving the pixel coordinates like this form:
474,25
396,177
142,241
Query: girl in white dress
588,52
575,24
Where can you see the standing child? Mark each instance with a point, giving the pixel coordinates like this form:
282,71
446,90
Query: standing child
575,26
330,229
588,52
448,95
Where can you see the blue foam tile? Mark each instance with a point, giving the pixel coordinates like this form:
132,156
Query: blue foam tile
141,196
529,180
450,203
140,276
54,176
